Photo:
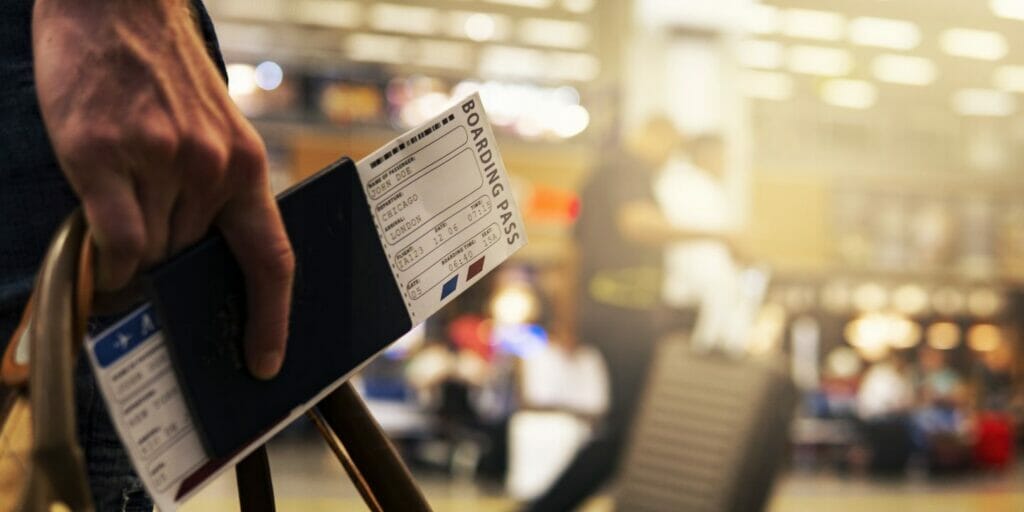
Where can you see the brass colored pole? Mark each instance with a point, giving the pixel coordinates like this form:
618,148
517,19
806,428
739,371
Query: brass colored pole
255,487
346,462
371,452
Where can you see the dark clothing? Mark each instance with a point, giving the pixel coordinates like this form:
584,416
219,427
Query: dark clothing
615,271
618,298
620,279
34,199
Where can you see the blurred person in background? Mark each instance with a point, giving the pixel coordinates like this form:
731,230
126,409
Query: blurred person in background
940,420
618,283
941,385
884,402
696,228
651,233
122,108
994,373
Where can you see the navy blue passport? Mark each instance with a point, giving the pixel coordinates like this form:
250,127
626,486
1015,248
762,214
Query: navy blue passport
346,308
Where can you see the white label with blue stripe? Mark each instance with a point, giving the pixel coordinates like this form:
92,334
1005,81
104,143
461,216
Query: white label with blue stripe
134,373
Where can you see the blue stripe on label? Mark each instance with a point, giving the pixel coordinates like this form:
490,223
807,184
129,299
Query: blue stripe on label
449,287
124,336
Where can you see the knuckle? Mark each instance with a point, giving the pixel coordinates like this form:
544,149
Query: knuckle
86,146
204,153
157,140
130,242
124,239
249,159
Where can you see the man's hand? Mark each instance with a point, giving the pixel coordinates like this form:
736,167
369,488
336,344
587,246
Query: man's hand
151,142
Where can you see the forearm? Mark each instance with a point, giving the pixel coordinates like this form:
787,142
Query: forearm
644,223
148,24
105,8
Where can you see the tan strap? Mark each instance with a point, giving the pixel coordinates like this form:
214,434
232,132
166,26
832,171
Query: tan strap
255,488
56,327
84,287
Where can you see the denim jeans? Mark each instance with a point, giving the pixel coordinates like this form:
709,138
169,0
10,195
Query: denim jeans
113,482
34,199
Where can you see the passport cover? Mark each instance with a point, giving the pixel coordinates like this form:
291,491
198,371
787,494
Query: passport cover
346,308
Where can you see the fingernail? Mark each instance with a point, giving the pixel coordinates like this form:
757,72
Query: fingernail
268,364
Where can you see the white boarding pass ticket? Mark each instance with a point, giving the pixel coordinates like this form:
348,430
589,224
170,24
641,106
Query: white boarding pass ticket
443,208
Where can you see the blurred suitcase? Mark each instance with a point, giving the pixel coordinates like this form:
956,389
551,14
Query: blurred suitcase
994,448
710,434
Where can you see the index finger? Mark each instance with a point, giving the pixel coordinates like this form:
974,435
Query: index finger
252,226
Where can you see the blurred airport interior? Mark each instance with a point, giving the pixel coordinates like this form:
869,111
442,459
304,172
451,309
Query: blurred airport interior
825,195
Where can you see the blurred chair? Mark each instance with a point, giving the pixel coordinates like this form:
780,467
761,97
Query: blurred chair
710,435
563,392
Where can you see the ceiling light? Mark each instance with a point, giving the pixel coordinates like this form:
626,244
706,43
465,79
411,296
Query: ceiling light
1010,78
904,333
443,54
885,33
241,79
270,10
514,304
870,336
479,26
268,75
328,13
808,24
571,121
948,301
943,335
512,62
566,95
578,6
533,4
579,67
974,44
817,60
984,302
1011,9
984,103
904,69
760,54
835,297
870,297
910,299
556,33
379,48
767,86
762,19
403,18
984,337
856,94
